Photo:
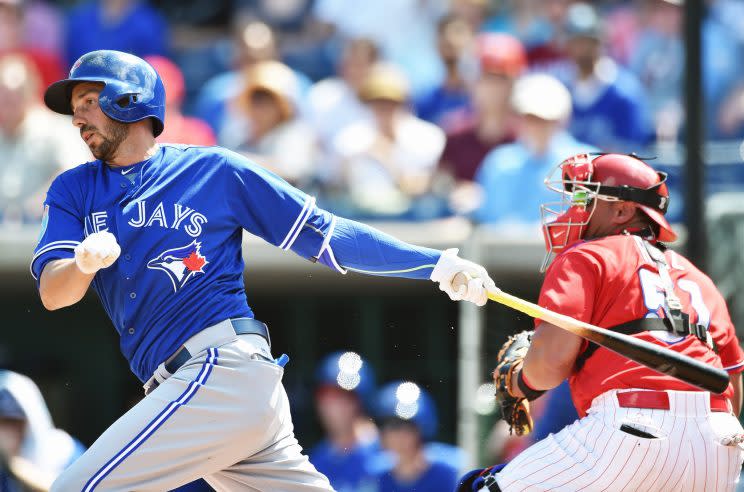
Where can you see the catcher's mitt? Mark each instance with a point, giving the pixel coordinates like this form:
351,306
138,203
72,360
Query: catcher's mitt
515,410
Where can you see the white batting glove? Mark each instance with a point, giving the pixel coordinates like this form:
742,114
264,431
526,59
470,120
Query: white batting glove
98,250
476,289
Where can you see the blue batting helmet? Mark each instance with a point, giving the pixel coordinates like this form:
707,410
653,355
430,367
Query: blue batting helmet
132,89
348,371
408,401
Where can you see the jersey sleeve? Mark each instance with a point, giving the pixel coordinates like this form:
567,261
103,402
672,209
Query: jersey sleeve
62,228
571,285
724,335
263,203
272,209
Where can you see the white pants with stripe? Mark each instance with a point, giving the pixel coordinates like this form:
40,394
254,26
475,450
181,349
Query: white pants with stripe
223,416
692,450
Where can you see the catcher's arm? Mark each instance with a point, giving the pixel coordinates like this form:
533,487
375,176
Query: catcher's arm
550,359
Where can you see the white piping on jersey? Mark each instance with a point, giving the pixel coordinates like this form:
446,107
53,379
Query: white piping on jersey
326,246
69,244
299,223
335,263
734,366
372,272
328,236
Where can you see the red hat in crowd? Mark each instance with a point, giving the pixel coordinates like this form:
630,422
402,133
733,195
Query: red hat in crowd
501,53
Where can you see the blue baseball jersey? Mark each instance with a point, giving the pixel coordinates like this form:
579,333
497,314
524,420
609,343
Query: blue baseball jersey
439,477
178,217
347,470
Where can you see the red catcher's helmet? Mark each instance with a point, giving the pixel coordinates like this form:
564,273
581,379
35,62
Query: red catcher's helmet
501,53
612,177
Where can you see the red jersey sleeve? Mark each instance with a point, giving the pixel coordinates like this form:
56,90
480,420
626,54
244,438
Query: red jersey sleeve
724,335
571,284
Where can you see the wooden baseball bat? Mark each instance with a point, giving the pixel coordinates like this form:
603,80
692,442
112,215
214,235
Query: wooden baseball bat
656,357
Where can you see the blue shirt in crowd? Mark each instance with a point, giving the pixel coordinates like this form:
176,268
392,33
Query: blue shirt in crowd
439,477
141,31
513,177
347,470
616,120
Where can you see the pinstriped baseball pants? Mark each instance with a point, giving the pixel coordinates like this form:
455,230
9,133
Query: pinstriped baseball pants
688,454
223,416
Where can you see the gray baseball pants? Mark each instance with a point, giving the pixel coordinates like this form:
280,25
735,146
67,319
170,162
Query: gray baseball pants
223,416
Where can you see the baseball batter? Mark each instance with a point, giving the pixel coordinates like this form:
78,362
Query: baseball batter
638,429
156,231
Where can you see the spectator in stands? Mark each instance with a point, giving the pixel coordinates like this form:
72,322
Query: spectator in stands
551,55
13,18
445,104
609,108
125,25
253,42
659,61
178,128
502,59
333,103
404,31
543,106
408,419
274,136
388,162
346,387
33,450
731,115
474,12
43,28
35,144
522,19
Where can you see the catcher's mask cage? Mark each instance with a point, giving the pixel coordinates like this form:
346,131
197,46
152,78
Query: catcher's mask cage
564,222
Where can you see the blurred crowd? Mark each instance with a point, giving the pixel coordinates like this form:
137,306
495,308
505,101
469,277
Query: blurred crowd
393,109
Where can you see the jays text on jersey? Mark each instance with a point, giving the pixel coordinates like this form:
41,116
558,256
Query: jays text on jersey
178,217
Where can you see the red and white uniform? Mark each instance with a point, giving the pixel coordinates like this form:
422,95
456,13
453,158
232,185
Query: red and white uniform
689,447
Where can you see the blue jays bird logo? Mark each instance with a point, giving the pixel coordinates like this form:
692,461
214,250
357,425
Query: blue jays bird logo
180,264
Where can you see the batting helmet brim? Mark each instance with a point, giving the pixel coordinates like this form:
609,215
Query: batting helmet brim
57,96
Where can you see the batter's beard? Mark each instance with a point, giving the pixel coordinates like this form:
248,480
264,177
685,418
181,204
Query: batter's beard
116,133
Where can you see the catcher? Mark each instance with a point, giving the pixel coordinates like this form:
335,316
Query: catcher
638,429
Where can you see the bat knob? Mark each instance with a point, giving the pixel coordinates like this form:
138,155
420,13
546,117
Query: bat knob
460,279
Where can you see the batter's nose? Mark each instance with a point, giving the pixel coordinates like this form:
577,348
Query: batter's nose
78,120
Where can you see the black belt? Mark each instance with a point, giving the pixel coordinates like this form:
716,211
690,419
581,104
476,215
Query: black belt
242,326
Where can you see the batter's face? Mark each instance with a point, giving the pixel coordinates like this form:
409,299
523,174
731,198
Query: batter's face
102,134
